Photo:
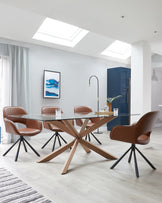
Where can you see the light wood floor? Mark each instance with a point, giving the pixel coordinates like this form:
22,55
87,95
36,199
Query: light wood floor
90,179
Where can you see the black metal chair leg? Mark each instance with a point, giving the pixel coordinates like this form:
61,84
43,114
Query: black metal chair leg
120,158
24,145
58,139
53,148
62,138
145,158
96,138
133,149
135,162
31,147
89,137
11,147
130,156
18,149
86,137
48,140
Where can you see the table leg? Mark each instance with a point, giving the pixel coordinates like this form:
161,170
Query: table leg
96,125
97,149
57,152
85,148
67,163
69,128
82,129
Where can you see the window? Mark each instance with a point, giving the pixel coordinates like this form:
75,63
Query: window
4,92
58,32
118,49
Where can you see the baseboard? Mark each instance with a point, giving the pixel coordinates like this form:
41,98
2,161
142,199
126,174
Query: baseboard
158,124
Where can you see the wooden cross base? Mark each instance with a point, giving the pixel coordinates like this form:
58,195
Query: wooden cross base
68,127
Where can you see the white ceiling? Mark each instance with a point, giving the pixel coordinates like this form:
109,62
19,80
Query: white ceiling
20,19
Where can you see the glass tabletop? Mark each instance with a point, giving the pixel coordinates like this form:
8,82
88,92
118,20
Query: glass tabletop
62,116
72,116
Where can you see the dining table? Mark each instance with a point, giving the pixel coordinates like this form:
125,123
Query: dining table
63,121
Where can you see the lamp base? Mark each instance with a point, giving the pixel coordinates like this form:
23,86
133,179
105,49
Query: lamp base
98,132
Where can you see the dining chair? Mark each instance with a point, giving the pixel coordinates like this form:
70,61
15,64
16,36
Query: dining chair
29,128
79,122
138,133
49,110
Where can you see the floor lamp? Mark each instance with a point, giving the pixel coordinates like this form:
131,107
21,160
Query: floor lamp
94,76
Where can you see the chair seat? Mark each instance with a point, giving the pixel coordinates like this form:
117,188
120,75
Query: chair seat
55,128
32,127
28,131
143,139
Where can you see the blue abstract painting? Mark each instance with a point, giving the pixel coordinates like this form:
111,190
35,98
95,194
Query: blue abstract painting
51,84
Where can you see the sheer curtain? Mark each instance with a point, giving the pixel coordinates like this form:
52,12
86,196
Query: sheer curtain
18,59
5,94
18,81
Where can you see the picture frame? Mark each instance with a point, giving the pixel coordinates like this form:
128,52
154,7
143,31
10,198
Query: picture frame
52,84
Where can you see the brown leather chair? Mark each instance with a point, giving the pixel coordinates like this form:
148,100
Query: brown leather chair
138,133
52,110
31,128
79,122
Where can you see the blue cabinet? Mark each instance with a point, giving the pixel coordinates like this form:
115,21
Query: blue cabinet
118,83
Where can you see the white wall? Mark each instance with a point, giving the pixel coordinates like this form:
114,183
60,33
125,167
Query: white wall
140,79
75,72
157,85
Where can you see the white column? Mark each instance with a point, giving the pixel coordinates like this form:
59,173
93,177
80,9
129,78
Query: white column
140,79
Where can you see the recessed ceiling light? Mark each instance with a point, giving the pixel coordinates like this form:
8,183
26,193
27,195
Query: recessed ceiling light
58,32
118,49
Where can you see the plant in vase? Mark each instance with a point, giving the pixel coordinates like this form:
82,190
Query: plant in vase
110,100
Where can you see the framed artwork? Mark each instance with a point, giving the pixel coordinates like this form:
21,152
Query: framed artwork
52,80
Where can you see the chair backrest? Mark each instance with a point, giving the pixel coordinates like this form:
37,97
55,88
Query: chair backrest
84,110
49,110
14,110
81,109
146,122
134,133
10,121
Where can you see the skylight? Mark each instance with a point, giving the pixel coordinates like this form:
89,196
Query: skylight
118,49
58,32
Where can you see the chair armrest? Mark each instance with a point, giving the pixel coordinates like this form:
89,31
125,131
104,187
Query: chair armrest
33,124
124,133
11,127
48,125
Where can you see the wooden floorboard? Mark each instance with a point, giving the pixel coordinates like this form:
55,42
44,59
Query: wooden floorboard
89,178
